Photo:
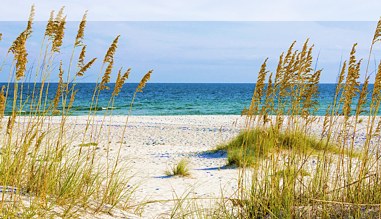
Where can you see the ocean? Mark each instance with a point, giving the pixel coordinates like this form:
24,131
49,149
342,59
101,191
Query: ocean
170,99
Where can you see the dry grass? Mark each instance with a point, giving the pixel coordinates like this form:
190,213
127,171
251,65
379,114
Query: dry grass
41,175
294,171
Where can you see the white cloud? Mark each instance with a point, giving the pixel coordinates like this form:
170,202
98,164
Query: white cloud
199,10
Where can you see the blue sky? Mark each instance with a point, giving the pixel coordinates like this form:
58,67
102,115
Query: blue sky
199,10
219,41
189,51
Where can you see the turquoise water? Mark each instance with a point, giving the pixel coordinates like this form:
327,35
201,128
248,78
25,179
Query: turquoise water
173,99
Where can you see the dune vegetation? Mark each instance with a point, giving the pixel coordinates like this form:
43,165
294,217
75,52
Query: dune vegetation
288,169
180,169
41,174
260,143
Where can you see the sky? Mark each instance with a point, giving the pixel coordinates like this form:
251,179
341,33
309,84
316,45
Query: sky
199,10
201,47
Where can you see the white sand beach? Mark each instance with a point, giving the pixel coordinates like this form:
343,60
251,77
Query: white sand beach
152,144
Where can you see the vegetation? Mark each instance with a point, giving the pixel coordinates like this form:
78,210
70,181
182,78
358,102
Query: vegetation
88,144
298,172
260,143
293,171
42,174
180,169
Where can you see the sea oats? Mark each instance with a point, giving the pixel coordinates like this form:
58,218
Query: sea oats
289,54
303,62
126,74
30,21
279,71
18,49
60,14
310,94
106,76
49,30
351,84
72,97
85,67
109,57
287,74
117,86
342,74
11,122
376,94
259,88
57,97
307,68
338,89
144,80
378,128
81,30
81,59
2,101
55,29
377,33
363,96
269,100
120,81
36,154
303,53
59,35
326,121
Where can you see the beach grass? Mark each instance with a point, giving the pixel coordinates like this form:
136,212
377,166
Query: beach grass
42,173
285,169
288,167
180,169
88,144
260,142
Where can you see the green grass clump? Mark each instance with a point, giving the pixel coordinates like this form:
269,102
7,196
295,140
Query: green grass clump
88,144
180,169
257,143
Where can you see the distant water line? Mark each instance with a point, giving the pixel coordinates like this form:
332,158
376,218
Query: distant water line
171,99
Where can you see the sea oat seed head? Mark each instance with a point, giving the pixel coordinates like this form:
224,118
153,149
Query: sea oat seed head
85,67
50,26
81,30
60,14
30,20
59,88
109,57
59,35
2,102
120,81
72,98
377,33
106,76
81,59
143,82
